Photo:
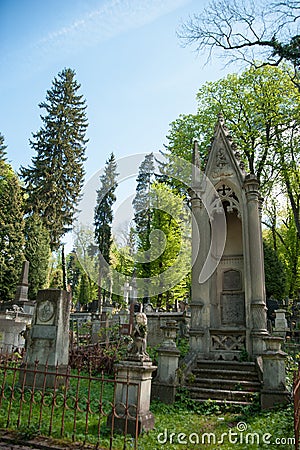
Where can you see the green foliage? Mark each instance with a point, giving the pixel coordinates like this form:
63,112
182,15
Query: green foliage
84,291
11,231
2,148
83,262
183,346
143,213
283,253
37,252
103,216
275,277
54,180
261,110
170,244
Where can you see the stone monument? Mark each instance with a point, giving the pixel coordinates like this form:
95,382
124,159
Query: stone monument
48,338
228,309
131,411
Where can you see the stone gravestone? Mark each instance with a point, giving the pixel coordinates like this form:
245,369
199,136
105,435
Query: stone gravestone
48,338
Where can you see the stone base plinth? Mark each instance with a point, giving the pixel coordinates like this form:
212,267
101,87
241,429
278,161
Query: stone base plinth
270,399
133,426
164,392
131,412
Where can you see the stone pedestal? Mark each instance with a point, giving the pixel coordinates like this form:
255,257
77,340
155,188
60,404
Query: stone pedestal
281,326
48,339
274,389
164,385
131,411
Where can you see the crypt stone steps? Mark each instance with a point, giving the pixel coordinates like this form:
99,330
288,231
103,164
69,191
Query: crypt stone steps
224,381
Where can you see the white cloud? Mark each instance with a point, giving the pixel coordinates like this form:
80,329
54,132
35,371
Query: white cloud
109,20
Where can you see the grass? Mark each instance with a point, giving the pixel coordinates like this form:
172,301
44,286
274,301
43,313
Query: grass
210,426
184,425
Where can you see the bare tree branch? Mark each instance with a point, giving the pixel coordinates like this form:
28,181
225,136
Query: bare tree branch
248,31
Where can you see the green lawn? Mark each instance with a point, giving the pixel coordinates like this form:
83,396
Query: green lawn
183,425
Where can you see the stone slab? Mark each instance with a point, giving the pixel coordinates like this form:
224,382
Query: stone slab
43,332
232,280
233,309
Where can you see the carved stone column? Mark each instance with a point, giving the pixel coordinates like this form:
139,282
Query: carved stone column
200,306
258,304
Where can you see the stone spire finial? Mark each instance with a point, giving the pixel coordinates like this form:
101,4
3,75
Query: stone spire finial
221,118
196,165
22,289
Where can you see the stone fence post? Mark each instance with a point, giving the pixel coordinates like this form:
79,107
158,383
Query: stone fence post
274,388
165,383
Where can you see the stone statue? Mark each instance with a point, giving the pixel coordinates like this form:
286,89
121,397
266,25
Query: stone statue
139,335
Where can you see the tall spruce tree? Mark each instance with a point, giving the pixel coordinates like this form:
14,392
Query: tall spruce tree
11,228
2,148
54,180
103,216
143,211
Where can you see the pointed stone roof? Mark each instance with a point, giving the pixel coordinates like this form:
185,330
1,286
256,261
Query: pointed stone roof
224,159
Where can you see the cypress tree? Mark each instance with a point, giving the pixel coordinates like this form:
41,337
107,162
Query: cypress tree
55,178
11,228
103,215
37,252
143,211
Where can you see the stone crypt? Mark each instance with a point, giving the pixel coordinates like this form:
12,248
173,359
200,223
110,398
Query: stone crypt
228,308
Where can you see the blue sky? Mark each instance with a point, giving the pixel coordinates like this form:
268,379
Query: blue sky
134,74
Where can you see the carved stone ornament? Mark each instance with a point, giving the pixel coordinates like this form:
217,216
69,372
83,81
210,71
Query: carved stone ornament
223,167
139,336
45,311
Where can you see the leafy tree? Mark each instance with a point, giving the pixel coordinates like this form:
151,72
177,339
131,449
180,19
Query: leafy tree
37,252
247,31
261,109
103,216
143,212
11,229
54,180
84,291
281,235
275,276
170,251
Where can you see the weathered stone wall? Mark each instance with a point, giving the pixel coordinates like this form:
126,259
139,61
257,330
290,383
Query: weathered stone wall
157,319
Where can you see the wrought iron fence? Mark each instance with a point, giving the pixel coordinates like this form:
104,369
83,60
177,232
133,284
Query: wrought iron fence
296,396
65,404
